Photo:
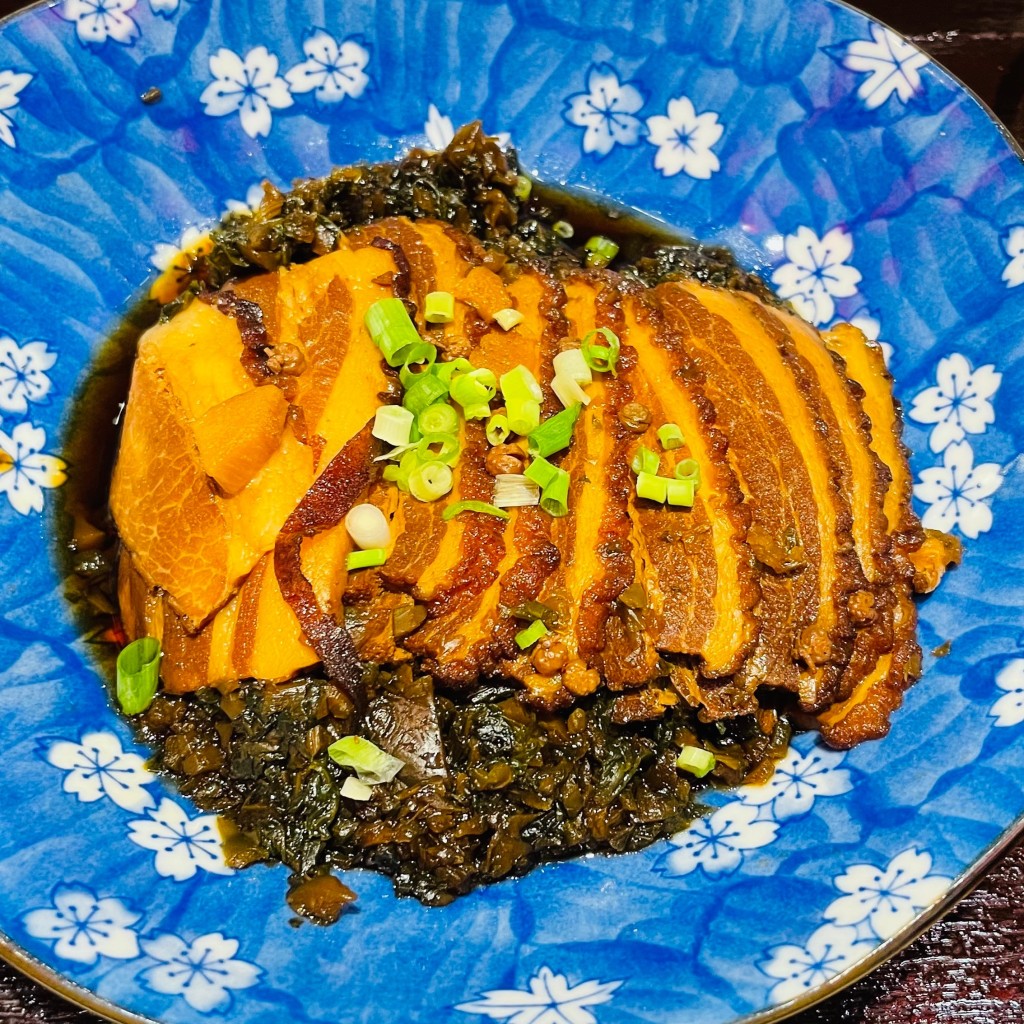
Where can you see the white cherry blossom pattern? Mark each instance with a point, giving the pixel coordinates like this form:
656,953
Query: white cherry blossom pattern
956,492
25,470
799,779
96,21
547,999
165,8
606,111
891,64
817,272
799,969
685,139
97,766
205,972
960,403
249,86
253,198
1009,708
1013,245
438,128
11,84
718,842
23,376
165,254
83,926
887,898
331,70
183,845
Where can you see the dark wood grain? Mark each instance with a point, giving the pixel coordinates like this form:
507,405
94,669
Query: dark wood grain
969,968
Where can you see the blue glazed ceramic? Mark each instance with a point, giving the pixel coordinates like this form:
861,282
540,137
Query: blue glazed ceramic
857,176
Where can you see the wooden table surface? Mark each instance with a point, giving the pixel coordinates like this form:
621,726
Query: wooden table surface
969,968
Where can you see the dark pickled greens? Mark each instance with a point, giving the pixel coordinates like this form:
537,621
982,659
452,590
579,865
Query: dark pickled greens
514,787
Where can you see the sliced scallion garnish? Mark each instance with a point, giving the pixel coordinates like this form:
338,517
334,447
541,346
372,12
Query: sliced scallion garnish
651,487
439,418
474,387
670,436
371,764
366,559
522,188
138,673
514,490
696,760
687,469
430,481
541,472
523,415
529,636
519,384
568,392
498,430
473,506
417,355
447,446
681,492
446,370
600,251
392,424
555,433
353,789
571,363
645,461
427,390
439,308
392,329
508,318
563,229
554,495
602,357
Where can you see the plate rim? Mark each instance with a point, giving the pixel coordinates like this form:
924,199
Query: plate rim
35,970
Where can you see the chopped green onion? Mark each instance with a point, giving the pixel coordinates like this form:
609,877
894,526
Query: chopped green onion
353,789
568,392
474,387
603,358
682,492
498,430
695,760
392,423
371,764
445,371
670,436
514,490
138,672
522,188
563,229
392,474
391,329
417,354
520,384
687,469
473,506
654,488
430,481
529,636
555,433
439,308
427,390
571,363
523,415
439,418
508,318
530,610
645,461
396,453
541,472
477,412
448,453
554,496
600,251
368,526
365,559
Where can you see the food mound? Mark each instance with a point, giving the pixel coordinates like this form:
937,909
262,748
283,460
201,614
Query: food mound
624,499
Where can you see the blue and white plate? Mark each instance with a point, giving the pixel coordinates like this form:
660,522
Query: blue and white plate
859,177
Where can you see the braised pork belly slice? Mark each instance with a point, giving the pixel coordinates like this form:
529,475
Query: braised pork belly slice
793,570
